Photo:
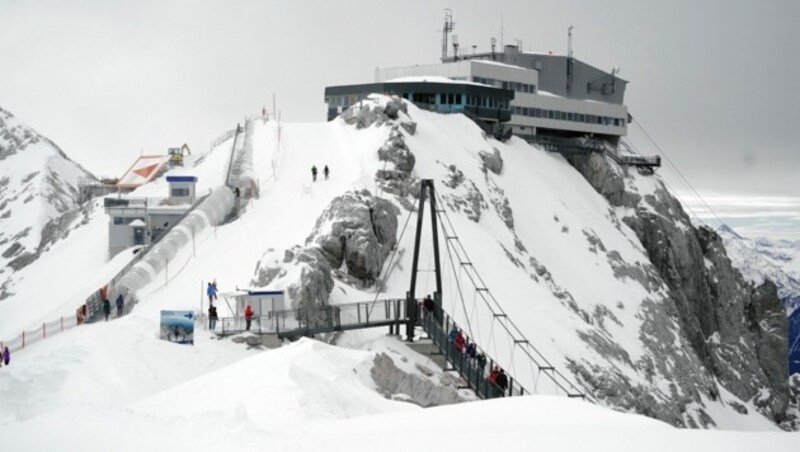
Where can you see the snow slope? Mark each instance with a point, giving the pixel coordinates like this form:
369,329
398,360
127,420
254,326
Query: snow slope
38,185
551,271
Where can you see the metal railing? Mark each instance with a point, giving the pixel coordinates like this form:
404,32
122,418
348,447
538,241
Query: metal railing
469,368
293,323
578,145
47,329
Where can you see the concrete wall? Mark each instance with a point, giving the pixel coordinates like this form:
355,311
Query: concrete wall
529,124
553,75
120,236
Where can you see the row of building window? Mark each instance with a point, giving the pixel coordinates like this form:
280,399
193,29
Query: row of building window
514,86
568,116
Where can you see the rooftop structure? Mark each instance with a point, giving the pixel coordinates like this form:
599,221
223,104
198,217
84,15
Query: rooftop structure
534,111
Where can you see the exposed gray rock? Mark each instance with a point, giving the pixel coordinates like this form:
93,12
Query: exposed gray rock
605,177
315,284
398,178
737,335
492,161
391,381
358,230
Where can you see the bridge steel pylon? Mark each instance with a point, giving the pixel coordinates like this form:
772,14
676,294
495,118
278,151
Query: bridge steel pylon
426,190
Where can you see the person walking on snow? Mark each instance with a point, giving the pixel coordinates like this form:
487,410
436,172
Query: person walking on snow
326,171
6,356
248,316
211,291
313,173
212,317
106,308
120,303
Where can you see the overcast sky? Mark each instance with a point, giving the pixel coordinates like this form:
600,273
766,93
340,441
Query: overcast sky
714,82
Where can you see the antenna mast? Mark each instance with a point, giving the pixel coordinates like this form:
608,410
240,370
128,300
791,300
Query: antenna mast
446,30
455,47
570,60
502,26
569,42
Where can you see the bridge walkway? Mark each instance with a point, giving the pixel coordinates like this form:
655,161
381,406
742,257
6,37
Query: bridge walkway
295,323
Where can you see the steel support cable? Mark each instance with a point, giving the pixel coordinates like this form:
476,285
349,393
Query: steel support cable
675,168
529,346
389,265
458,284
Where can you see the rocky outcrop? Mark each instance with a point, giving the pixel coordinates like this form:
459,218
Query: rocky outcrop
492,161
350,242
396,384
735,331
357,231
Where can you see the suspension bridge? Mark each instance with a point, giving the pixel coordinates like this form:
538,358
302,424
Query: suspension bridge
513,351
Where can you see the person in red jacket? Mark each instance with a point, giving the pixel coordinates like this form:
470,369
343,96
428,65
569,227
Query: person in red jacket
460,341
493,374
248,316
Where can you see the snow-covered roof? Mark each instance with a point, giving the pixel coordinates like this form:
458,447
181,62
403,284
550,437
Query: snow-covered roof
143,170
433,79
137,224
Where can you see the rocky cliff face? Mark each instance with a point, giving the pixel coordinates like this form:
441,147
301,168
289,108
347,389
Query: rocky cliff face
38,193
760,260
737,331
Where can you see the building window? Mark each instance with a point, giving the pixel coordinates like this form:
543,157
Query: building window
180,192
524,111
119,221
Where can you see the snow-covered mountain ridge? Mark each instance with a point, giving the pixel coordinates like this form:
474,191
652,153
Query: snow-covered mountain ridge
38,196
579,271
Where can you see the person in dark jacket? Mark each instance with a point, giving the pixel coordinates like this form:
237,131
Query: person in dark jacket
472,350
106,308
120,303
6,356
427,305
313,173
326,171
481,359
212,317
502,381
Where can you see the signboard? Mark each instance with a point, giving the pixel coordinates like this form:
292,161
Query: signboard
177,326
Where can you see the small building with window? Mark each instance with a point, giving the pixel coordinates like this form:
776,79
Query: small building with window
136,221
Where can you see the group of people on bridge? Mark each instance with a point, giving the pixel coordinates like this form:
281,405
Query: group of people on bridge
461,343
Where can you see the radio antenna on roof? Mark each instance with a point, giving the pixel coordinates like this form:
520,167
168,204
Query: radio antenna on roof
446,30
